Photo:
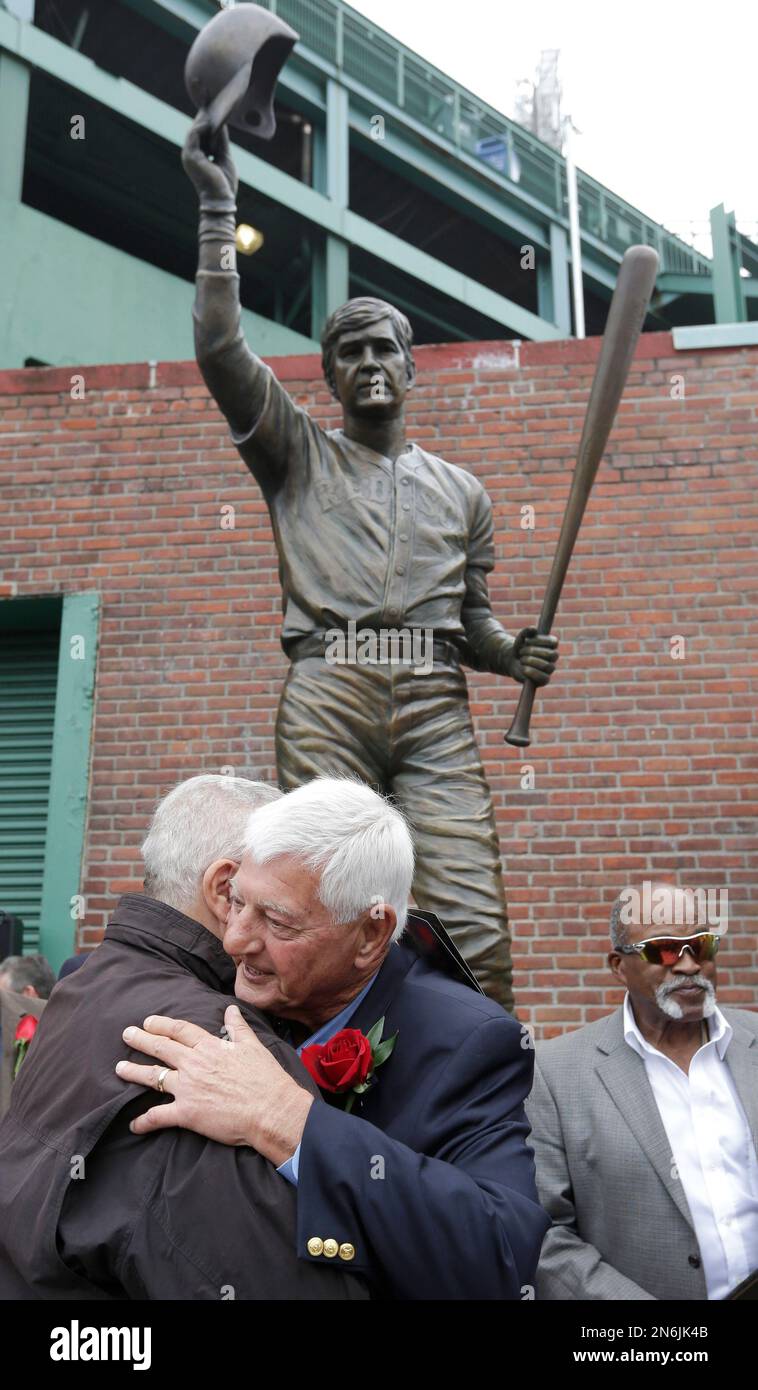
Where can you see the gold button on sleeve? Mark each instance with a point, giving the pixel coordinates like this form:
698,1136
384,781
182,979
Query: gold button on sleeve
347,1251
315,1246
330,1248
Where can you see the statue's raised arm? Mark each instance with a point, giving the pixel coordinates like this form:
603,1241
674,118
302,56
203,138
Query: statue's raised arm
230,74
259,412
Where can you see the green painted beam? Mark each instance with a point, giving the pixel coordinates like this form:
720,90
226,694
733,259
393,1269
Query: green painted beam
337,145
728,299
318,287
41,51
330,280
182,18
446,280
318,174
410,308
69,776
302,90
440,174
14,103
675,285
73,299
523,222
659,302
443,156
748,251
337,273
599,262
543,272
715,335
24,9
465,182
559,274
336,261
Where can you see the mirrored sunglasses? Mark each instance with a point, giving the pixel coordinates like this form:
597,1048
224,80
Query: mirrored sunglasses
667,950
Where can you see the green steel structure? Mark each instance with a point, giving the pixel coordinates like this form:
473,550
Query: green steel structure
385,176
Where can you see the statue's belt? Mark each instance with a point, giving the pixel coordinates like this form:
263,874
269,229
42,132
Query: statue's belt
390,652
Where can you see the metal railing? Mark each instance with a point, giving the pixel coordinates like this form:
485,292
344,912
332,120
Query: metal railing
370,56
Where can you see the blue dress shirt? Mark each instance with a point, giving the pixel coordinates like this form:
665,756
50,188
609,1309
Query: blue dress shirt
291,1166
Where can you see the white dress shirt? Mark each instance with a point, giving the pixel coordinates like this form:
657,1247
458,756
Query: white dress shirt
712,1148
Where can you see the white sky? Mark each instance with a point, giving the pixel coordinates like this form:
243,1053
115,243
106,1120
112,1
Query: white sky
663,91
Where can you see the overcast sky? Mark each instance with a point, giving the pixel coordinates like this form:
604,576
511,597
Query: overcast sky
663,91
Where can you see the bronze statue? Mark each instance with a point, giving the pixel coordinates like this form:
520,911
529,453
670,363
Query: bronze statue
384,552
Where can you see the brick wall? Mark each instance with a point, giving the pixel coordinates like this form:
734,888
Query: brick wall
642,763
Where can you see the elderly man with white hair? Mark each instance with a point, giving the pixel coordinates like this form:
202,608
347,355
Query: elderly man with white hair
87,1209
413,1166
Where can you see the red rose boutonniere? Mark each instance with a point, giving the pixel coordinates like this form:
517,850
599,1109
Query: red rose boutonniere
25,1030
348,1061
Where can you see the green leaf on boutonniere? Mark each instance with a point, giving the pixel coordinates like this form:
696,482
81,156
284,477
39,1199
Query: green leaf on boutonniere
384,1050
374,1035
380,1051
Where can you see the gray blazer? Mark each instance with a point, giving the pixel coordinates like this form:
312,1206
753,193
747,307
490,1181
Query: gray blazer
605,1173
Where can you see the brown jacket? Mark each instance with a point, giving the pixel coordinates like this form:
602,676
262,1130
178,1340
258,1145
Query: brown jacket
90,1210
12,1010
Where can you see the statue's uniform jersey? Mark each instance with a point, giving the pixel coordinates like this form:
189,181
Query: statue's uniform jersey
363,540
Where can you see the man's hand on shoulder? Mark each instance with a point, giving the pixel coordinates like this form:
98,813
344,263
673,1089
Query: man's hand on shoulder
229,1089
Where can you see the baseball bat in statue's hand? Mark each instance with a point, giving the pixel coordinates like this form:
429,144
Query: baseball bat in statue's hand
626,316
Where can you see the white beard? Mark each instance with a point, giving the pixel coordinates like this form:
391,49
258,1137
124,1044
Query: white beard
665,998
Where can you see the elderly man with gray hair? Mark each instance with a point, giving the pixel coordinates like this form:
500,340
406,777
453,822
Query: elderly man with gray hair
31,976
645,1124
413,1167
26,983
87,1209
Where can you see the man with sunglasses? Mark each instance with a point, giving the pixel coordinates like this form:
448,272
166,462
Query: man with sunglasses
645,1129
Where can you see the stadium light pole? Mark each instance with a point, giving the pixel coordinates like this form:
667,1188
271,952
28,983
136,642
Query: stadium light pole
574,234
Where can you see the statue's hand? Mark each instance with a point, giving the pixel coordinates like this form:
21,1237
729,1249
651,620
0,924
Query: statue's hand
214,178
532,657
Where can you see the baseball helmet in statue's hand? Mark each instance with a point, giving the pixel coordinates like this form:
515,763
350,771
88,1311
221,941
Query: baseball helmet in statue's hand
232,67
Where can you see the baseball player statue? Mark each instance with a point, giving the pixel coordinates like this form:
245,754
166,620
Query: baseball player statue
384,552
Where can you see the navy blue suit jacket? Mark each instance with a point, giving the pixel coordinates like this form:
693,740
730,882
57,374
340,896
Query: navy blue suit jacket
430,1178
